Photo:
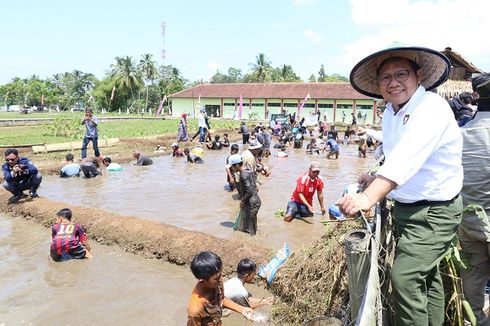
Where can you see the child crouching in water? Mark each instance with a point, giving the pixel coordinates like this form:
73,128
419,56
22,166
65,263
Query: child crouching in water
235,287
207,298
69,239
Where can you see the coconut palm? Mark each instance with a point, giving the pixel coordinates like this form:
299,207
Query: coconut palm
260,69
126,74
149,71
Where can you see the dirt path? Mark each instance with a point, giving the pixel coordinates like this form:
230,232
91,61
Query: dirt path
147,238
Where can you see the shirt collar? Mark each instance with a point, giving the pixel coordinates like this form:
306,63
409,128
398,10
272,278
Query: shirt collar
411,102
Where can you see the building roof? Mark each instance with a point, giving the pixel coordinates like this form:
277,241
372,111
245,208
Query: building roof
458,61
339,90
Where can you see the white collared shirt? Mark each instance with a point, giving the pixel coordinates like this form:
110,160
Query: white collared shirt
422,144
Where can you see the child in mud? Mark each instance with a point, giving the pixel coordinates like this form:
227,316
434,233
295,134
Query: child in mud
235,287
207,299
69,239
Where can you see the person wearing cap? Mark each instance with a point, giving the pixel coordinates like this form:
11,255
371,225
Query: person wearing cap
231,178
252,158
422,173
302,199
182,134
141,159
176,151
474,231
250,201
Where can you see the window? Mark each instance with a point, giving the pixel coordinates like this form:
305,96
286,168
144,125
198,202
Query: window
290,105
274,104
325,106
257,104
344,106
212,110
309,105
364,107
229,104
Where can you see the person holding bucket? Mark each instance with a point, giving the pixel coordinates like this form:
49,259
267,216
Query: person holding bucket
422,173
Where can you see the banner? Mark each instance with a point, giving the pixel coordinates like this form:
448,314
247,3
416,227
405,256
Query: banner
300,107
160,107
240,108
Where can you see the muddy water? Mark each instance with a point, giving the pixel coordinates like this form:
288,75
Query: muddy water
193,197
115,288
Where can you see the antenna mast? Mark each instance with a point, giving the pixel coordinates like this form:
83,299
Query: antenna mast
163,42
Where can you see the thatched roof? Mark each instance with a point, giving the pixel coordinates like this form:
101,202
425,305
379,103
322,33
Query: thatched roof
452,88
458,61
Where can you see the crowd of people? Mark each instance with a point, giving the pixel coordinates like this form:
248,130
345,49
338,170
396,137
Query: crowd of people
435,162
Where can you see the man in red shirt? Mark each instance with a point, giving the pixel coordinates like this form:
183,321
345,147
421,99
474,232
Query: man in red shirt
302,199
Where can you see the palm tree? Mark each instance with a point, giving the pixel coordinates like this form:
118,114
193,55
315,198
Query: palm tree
260,69
149,70
126,74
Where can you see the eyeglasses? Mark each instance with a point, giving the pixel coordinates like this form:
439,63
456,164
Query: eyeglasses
10,159
400,75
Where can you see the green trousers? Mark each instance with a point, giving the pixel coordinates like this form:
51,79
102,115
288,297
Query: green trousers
425,233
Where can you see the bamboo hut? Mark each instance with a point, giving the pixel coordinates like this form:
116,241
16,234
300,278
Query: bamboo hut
459,76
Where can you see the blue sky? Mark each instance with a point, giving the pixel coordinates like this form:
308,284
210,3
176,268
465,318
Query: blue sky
48,37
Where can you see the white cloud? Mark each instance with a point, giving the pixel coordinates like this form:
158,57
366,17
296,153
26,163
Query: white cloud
436,24
313,36
303,2
214,66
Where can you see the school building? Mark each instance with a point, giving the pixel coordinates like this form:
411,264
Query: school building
335,102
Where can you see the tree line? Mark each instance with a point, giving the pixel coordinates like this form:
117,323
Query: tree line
135,85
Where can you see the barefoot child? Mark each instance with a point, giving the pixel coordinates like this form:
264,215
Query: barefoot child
207,299
69,239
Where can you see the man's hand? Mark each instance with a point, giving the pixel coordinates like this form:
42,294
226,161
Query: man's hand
16,168
323,210
351,204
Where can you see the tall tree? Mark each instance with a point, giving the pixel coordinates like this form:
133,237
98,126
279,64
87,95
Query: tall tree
321,74
148,68
260,70
126,75
312,78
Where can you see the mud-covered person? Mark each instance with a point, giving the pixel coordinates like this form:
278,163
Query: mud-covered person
176,151
207,300
250,201
142,160
90,167
70,169
20,174
230,176
69,241
422,173
192,158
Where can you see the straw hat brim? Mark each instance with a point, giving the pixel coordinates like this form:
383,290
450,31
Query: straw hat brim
434,64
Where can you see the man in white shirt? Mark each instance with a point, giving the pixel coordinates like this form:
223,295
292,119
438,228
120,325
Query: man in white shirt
422,173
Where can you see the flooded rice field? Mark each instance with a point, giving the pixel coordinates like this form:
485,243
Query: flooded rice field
192,196
115,288
118,288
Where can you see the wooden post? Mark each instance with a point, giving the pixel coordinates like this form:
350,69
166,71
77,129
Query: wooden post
357,255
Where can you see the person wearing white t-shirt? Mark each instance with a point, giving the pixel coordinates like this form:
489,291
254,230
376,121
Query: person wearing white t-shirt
422,173
235,290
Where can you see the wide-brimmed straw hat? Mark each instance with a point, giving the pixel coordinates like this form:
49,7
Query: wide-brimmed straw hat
435,67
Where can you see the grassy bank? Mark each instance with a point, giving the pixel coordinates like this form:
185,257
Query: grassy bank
54,132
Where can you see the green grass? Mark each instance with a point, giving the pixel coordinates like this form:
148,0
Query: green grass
39,134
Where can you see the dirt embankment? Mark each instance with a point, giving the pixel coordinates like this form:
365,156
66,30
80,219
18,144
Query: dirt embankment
146,238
